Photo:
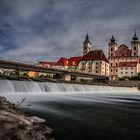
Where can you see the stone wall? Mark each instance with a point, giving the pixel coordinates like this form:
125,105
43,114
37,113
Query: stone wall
125,83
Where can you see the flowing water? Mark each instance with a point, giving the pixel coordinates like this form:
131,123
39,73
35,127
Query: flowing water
80,112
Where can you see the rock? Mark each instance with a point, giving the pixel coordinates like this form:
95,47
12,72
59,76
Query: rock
14,125
35,119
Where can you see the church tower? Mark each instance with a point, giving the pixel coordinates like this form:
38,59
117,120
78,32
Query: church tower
135,45
86,45
112,47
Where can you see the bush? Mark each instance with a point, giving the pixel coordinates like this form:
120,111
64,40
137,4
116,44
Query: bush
124,78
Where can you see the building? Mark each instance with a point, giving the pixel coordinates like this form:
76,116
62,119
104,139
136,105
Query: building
33,74
94,62
122,55
73,63
68,63
127,69
46,64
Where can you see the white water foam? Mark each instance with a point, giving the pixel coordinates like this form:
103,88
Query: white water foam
10,86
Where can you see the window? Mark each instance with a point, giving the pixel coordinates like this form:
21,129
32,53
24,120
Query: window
111,54
121,72
134,54
96,71
116,70
89,63
121,68
89,67
111,64
111,49
116,64
126,72
131,72
126,68
134,47
111,70
132,68
96,67
96,63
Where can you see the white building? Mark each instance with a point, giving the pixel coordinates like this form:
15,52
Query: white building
127,69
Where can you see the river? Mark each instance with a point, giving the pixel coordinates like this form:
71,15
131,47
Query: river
82,112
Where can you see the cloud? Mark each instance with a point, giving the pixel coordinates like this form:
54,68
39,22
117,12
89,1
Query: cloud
35,30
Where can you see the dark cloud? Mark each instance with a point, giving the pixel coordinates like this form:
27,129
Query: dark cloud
48,29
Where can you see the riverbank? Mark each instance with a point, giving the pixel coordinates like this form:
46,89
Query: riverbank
135,83
15,125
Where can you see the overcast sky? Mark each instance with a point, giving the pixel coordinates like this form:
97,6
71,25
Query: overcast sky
36,30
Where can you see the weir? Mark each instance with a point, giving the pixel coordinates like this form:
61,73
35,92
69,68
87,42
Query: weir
31,87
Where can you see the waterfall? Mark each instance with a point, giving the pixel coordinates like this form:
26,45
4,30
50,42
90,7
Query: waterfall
31,86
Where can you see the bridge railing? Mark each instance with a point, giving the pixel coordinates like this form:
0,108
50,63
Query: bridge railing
24,66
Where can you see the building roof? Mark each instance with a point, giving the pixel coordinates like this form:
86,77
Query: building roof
87,40
127,64
62,62
73,61
113,39
135,38
94,55
122,51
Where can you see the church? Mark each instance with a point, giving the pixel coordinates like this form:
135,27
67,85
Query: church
93,61
124,61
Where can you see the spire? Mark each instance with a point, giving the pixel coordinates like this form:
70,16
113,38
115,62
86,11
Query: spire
113,39
87,39
135,36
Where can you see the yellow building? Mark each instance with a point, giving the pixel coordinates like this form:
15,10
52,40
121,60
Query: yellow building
94,62
33,74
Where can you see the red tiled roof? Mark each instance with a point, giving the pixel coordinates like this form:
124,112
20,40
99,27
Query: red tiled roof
73,61
94,55
127,64
62,62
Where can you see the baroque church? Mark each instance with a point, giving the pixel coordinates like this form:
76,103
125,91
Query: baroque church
123,61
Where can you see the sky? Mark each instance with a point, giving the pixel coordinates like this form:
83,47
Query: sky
45,30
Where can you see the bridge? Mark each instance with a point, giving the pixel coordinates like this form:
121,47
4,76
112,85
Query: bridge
7,64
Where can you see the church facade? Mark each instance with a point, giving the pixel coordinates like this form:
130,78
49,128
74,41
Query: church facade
93,61
123,61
